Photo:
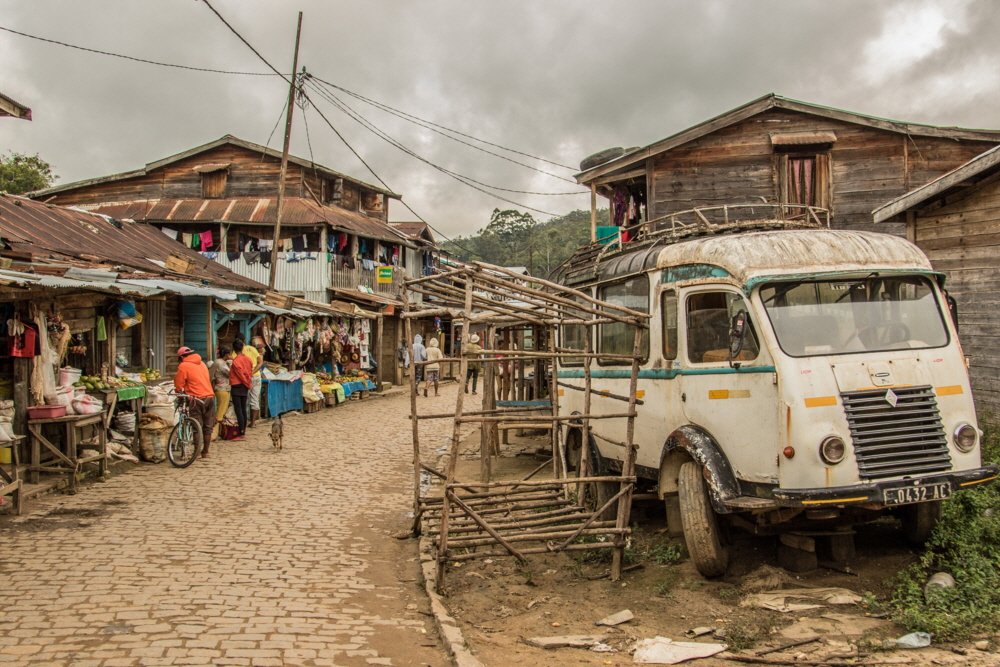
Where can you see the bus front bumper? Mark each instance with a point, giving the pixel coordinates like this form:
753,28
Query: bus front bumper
890,492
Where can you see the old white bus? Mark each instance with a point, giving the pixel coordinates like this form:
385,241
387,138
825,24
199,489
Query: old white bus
792,381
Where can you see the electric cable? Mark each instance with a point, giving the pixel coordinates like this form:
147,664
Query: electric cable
333,99
475,185
431,126
133,58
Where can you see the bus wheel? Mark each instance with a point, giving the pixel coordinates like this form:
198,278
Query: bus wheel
919,521
701,527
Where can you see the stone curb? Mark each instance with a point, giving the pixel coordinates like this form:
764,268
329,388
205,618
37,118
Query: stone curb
446,624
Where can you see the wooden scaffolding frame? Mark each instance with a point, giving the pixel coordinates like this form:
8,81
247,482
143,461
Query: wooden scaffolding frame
509,516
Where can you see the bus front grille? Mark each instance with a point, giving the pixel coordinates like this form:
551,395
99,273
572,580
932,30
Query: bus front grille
907,439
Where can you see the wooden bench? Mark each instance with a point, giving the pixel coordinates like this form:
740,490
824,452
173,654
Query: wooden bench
66,459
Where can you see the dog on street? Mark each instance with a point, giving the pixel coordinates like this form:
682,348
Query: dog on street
277,434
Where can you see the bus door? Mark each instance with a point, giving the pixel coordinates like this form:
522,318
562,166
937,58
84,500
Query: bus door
734,399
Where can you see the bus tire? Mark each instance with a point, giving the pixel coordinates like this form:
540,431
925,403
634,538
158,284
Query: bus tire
919,521
701,526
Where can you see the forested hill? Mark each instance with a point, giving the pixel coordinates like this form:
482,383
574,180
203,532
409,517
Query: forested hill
513,238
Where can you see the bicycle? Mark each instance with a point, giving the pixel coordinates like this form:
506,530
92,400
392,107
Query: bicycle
186,440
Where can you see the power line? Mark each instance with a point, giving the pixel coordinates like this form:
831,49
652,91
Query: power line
431,126
138,60
465,180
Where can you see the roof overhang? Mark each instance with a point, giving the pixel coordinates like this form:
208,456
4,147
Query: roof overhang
970,173
9,107
623,165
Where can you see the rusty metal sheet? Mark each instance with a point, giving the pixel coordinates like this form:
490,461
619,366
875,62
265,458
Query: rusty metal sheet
187,209
799,138
790,252
41,229
160,210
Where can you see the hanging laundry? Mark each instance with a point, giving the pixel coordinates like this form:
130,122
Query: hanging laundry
310,255
187,239
342,240
265,257
206,240
299,243
172,233
331,242
619,202
265,244
210,255
232,256
254,244
251,257
291,257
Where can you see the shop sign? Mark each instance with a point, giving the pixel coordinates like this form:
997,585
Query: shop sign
385,274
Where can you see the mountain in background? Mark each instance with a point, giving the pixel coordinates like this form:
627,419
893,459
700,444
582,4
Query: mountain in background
513,238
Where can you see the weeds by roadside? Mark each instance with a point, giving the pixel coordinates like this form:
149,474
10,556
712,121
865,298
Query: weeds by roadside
744,634
966,544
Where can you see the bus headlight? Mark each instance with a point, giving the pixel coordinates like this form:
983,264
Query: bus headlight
965,438
833,450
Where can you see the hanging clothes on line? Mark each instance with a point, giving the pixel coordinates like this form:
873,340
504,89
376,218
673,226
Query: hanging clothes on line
187,239
299,243
172,233
251,257
206,240
233,256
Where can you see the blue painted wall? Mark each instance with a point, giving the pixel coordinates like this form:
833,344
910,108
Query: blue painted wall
197,328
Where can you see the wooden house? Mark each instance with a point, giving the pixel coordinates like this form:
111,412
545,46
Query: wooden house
955,219
775,151
221,198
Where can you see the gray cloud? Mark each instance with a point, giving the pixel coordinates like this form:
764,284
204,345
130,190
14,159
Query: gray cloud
559,79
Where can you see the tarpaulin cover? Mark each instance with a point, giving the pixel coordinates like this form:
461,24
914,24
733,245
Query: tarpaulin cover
284,396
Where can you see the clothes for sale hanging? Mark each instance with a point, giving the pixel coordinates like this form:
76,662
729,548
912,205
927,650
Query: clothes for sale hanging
101,328
299,243
172,233
206,240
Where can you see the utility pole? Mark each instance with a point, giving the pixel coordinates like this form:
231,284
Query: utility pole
284,159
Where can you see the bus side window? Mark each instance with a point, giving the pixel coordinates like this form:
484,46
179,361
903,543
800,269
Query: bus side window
668,311
708,320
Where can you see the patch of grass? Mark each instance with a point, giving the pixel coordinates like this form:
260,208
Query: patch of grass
729,594
693,584
744,634
666,584
966,544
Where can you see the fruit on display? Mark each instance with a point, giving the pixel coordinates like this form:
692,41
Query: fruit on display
96,383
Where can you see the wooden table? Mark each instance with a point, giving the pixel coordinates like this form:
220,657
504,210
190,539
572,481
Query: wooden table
12,483
111,400
67,457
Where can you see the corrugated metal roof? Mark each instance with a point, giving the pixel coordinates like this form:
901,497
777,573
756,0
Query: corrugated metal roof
297,211
798,138
36,228
30,279
228,139
184,289
789,252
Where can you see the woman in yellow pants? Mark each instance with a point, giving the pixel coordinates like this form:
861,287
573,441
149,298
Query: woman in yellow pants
219,374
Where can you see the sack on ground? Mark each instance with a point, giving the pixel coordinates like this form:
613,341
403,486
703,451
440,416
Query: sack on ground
153,444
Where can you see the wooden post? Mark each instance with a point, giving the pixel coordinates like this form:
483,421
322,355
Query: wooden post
593,212
585,435
284,158
487,447
456,436
555,435
380,375
628,467
209,332
414,422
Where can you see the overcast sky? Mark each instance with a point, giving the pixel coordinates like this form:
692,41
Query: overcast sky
558,79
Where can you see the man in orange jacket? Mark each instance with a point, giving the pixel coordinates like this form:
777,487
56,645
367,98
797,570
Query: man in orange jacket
192,379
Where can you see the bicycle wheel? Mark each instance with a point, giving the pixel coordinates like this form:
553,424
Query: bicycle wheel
185,442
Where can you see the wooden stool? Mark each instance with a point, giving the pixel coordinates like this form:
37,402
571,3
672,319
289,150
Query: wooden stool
12,483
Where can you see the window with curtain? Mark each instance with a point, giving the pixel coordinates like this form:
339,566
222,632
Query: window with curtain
616,337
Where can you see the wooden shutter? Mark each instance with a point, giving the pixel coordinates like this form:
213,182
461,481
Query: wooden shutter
822,182
213,184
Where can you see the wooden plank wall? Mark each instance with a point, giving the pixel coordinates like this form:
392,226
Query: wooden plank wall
737,164
962,239
175,327
250,174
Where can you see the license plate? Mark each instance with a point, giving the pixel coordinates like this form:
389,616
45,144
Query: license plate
918,493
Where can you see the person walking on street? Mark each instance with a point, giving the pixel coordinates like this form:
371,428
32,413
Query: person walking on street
192,379
219,374
472,350
240,381
419,354
434,354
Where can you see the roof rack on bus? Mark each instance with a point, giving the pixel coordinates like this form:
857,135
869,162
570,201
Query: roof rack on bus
694,222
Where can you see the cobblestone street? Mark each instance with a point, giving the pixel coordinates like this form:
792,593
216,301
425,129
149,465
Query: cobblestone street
248,558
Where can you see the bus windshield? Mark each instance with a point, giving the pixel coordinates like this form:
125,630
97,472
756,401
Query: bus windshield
821,317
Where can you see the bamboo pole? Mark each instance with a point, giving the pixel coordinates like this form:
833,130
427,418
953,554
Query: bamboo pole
581,489
592,519
628,469
534,550
482,524
415,424
544,482
599,392
520,525
507,540
456,437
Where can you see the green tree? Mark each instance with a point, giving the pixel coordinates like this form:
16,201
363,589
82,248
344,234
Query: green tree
23,173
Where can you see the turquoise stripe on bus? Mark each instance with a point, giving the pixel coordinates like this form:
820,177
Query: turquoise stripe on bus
663,373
